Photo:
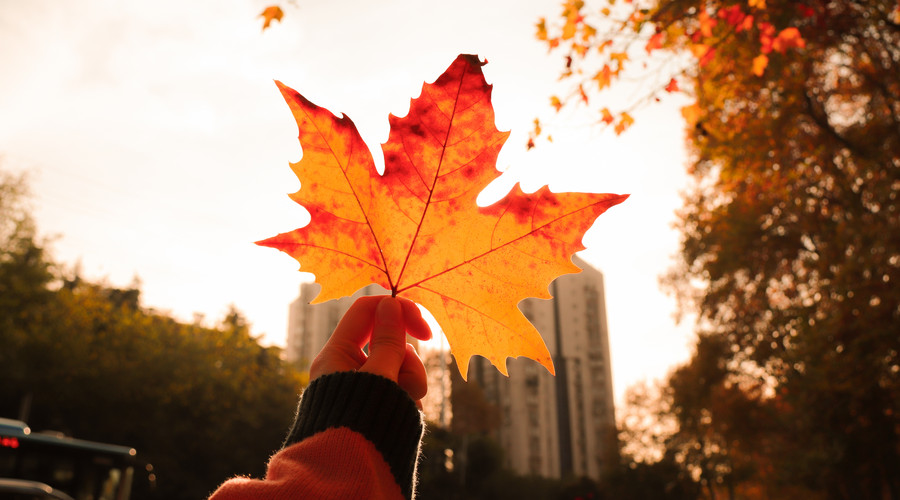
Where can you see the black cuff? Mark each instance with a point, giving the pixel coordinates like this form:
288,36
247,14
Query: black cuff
368,404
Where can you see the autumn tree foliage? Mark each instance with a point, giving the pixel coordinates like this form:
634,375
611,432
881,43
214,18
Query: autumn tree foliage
201,403
790,233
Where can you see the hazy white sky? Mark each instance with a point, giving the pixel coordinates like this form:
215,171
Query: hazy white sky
158,144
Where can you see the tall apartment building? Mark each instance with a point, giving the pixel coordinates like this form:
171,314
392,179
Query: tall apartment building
549,426
564,425
309,326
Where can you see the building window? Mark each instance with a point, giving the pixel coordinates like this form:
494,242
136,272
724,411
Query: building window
533,415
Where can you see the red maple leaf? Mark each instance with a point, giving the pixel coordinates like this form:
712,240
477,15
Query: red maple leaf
734,16
672,86
655,42
766,32
417,231
606,116
788,38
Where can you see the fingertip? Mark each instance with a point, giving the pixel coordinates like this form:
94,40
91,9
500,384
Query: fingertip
412,376
415,323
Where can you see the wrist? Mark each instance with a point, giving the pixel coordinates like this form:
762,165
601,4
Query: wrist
372,405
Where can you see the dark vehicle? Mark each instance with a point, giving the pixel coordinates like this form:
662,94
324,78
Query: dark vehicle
20,489
51,465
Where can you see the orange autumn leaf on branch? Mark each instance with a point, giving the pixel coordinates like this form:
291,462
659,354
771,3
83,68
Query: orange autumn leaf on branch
606,116
759,64
672,86
723,36
655,42
788,38
417,231
625,121
270,13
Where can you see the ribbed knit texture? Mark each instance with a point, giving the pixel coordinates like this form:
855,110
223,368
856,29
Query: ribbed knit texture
368,404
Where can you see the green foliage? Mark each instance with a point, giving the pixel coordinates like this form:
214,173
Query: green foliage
484,461
25,273
473,470
438,479
661,480
199,403
505,485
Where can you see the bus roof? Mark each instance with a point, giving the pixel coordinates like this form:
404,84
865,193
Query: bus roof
20,430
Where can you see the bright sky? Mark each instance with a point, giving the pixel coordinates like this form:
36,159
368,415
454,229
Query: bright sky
158,144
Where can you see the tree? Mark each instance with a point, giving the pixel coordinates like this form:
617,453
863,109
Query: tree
703,427
199,403
25,273
791,233
724,426
662,479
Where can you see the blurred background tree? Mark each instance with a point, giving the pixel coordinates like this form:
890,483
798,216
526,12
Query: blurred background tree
25,272
790,250
200,403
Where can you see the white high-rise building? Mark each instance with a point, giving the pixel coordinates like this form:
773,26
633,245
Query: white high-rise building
558,426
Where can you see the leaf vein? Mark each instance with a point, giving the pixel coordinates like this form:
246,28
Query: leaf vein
493,249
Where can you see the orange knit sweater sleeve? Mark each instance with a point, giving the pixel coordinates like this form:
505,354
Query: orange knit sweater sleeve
356,435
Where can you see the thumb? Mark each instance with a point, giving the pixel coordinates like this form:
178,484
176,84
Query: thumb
387,347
